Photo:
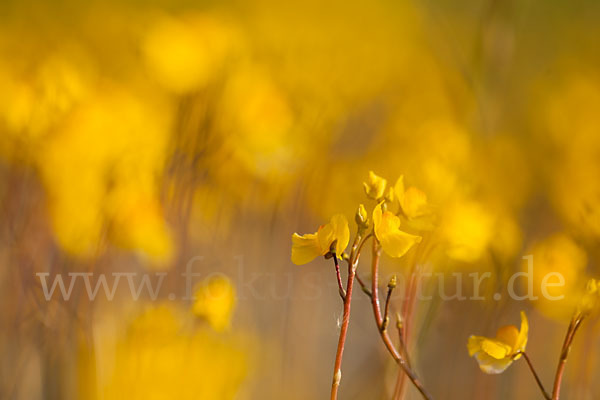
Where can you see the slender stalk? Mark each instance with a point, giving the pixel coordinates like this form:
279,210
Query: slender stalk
383,332
535,375
339,277
363,286
337,369
403,349
362,243
386,310
407,307
575,324
423,251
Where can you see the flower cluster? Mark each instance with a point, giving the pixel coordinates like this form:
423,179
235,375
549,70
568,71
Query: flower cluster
409,204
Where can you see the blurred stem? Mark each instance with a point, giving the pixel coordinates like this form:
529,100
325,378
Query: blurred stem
403,349
535,375
406,312
423,251
564,354
352,264
407,306
381,328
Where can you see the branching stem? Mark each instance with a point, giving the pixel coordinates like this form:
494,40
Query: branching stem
564,354
383,332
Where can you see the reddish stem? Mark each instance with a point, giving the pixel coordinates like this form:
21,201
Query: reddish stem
564,354
339,277
337,369
381,328
407,307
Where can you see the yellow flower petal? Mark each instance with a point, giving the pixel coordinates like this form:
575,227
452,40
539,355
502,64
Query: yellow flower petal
490,365
305,248
477,346
399,189
387,229
474,344
325,236
341,232
509,335
375,186
414,203
495,348
523,334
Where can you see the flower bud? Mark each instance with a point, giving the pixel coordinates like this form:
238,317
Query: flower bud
361,217
393,282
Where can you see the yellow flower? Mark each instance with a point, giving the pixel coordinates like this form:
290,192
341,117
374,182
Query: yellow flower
591,298
375,187
412,200
495,355
387,229
215,301
307,247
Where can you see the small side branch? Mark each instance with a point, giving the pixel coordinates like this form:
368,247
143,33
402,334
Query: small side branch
364,287
403,350
386,310
535,375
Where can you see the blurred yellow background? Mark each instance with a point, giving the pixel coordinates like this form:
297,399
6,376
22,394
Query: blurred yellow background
159,137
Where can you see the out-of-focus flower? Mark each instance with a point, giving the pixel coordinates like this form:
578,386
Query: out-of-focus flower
412,200
591,297
257,122
100,170
494,355
558,254
508,237
467,228
307,247
166,357
387,229
215,302
569,126
186,53
375,186
39,102
142,227
390,195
